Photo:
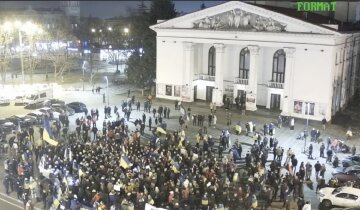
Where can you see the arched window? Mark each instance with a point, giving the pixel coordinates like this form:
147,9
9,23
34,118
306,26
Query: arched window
279,60
244,64
212,61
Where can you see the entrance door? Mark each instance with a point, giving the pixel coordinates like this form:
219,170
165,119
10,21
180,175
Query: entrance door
275,101
209,93
240,93
195,92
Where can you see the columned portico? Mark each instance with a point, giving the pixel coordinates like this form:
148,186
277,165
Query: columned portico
219,77
187,87
252,88
289,81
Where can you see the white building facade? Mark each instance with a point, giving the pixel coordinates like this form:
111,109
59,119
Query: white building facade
276,61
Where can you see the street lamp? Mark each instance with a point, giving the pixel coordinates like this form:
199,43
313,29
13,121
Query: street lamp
107,89
109,29
30,29
93,30
126,30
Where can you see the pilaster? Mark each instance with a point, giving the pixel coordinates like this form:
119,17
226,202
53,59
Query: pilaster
288,99
187,87
253,71
219,75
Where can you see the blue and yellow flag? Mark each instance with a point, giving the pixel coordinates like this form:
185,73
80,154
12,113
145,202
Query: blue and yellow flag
125,162
47,138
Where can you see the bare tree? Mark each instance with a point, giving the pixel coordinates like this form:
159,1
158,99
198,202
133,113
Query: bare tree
57,52
5,40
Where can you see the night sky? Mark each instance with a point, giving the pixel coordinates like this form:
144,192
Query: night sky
106,9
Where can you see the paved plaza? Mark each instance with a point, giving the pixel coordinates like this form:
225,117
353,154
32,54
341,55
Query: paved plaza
285,136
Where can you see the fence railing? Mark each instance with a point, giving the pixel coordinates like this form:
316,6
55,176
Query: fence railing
241,81
204,77
277,85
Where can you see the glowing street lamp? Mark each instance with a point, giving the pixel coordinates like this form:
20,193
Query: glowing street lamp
29,28
126,30
109,29
93,30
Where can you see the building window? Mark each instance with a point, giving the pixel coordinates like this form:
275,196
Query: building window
212,61
279,60
244,64
168,90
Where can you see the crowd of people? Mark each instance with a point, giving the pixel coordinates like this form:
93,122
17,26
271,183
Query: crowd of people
115,168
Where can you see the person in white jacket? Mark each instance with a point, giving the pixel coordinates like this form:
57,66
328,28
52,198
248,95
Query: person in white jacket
307,206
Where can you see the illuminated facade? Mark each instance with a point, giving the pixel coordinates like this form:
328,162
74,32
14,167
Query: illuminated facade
274,60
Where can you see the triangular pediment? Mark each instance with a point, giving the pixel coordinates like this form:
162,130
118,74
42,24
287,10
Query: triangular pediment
240,16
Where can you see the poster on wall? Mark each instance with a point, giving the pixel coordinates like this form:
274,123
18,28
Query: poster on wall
185,93
160,89
312,108
298,107
322,109
176,90
168,90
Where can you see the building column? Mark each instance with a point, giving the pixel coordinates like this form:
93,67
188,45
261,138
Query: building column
187,89
218,91
251,91
288,99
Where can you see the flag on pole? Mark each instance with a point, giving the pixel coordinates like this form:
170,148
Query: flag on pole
47,135
19,127
47,138
176,168
125,162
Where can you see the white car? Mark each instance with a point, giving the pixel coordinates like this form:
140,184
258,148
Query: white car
341,196
19,100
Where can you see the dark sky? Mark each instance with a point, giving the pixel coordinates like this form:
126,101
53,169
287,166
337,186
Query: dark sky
107,9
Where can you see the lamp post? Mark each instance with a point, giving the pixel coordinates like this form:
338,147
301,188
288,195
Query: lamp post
107,89
30,29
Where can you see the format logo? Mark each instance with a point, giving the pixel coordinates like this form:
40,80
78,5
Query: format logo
315,6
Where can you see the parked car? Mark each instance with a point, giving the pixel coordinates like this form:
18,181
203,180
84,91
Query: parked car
345,177
351,160
34,105
63,108
19,100
8,126
50,102
349,170
4,101
48,110
26,120
341,196
36,114
77,106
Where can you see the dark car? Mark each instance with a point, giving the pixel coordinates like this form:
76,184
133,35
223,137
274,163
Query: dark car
349,170
34,105
8,126
26,120
351,160
61,108
343,178
53,101
77,106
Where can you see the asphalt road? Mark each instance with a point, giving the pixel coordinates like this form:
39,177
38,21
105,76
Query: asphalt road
10,203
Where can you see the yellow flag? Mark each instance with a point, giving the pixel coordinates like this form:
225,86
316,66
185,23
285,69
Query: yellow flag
47,138
124,162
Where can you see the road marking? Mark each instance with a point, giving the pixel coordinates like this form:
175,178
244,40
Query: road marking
14,199
16,205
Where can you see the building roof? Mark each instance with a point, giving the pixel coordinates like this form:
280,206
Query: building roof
311,17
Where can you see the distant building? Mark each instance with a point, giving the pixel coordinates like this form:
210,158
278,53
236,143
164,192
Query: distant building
48,17
268,55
